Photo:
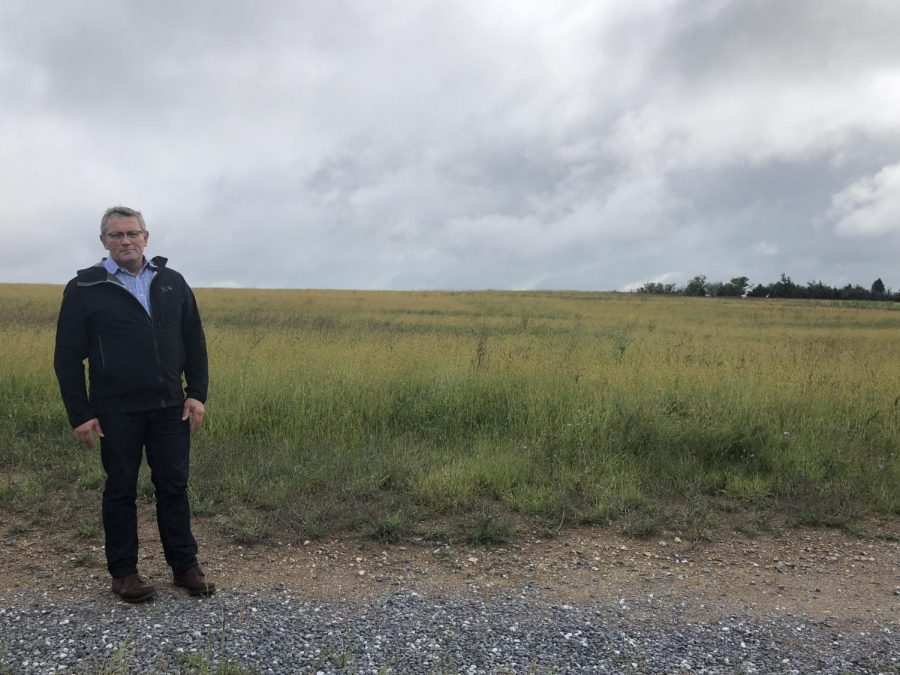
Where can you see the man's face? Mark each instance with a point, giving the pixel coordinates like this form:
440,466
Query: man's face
125,241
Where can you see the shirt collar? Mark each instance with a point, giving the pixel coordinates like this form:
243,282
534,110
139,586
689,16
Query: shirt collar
113,268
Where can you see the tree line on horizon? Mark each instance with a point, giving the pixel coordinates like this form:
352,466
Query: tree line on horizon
740,287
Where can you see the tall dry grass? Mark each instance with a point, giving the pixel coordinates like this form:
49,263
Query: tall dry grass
344,409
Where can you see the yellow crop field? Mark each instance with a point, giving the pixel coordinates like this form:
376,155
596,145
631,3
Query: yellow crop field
385,410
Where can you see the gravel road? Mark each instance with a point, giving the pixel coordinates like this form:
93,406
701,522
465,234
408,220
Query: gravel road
405,632
799,600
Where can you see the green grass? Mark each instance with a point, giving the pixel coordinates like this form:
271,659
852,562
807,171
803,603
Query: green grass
380,412
389,529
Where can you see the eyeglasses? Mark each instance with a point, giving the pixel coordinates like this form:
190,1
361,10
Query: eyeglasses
119,236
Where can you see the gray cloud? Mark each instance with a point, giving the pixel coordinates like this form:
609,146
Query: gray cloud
462,145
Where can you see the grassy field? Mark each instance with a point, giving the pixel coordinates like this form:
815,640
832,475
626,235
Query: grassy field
465,414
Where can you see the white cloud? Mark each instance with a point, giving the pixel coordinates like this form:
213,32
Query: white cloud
486,143
870,206
664,278
767,248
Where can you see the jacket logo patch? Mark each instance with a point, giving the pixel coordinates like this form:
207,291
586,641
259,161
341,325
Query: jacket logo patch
165,289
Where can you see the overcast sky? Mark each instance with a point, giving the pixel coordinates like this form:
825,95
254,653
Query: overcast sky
471,144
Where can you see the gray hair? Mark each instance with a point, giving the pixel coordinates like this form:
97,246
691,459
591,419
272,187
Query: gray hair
120,211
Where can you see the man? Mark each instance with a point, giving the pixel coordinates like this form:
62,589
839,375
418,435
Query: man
137,324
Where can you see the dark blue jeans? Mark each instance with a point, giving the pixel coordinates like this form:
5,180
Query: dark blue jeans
168,442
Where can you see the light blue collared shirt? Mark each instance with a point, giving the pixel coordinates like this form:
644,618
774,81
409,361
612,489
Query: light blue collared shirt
138,285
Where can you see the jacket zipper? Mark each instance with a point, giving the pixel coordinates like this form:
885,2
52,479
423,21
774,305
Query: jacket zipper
102,356
155,343
149,320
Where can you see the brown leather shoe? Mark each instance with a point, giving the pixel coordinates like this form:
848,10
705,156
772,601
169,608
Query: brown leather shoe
133,588
195,582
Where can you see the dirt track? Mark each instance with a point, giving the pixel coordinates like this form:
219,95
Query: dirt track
819,573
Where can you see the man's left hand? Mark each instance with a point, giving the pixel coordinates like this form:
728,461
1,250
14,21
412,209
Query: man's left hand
195,410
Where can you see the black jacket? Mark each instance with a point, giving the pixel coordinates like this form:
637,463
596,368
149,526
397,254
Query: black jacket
135,362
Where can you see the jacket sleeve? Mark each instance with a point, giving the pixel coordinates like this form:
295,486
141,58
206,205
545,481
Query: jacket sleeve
72,347
196,366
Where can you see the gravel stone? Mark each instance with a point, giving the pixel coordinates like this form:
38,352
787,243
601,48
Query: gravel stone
405,632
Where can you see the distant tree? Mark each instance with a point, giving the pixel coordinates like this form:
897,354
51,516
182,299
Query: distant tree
740,283
716,289
734,288
658,288
696,286
758,291
856,292
785,288
819,291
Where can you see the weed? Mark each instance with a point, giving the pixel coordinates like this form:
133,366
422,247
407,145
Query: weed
89,528
82,560
244,526
551,529
753,489
340,658
438,535
389,529
119,662
485,529
316,528
212,661
91,478
642,522
825,504
17,492
445,665
479,358
18,528
444,555
312,522
202,504
200,663
866,533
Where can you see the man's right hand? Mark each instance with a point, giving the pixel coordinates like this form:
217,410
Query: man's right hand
85,432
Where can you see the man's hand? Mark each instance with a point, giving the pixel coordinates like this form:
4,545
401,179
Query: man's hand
195,410
84,433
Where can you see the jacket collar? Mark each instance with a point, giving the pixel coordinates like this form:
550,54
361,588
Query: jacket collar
97,272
